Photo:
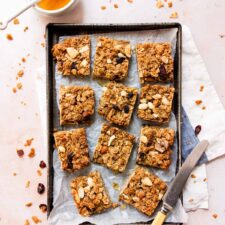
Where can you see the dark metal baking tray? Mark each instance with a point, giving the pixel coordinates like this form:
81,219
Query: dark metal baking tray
55,30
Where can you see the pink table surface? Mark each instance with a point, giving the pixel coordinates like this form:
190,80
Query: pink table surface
21,121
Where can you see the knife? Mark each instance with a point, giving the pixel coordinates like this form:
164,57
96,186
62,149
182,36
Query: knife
172,194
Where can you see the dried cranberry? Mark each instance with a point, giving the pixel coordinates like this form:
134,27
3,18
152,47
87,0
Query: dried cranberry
116,107
41,188
20,153
126,109
119,60
198,129
130,95
73,66
70,160
162,72
43,208
42,164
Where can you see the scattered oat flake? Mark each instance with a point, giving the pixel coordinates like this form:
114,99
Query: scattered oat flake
39,173
27,222
9,37
170,4
116,186
103,7
27,184
28,142
16,21
19,86
174,15
159,4
14,90
36,219
20,73
29,204
193,176
123,206
201,88
116,6
20,152
214,215
198,102
26,29
31,153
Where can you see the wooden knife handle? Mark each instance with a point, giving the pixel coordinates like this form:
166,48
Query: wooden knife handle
159,219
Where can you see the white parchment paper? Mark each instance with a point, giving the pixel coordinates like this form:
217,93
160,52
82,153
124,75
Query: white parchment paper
64,211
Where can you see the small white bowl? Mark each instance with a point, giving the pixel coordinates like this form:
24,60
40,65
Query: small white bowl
57,12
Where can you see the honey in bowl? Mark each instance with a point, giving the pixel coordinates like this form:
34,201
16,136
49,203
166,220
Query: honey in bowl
52,4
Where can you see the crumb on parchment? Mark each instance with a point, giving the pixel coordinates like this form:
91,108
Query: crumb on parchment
198,102
16,21
9,37
103,7
27,184
174,15
36,219
31,153
215,215
28,142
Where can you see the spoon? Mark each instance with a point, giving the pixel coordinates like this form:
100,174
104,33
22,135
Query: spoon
4,23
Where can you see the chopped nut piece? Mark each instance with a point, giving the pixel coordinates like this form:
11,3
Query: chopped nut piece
36,219
16,21
193,176
20,152
130,1
143,191
113,148
27,184
43,208
198,102
26,29
170,4
215,216
23,60
116,108
203,107
90,200
191,200
29,204
112,59
174,15
159,4
28,142
201,88
72,149
27,222
19,86
116,6
205,179
103,7
20,73
14,174
31,153
39,173
14,90
9,37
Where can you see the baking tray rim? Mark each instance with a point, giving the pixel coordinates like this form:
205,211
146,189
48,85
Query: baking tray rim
53,29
